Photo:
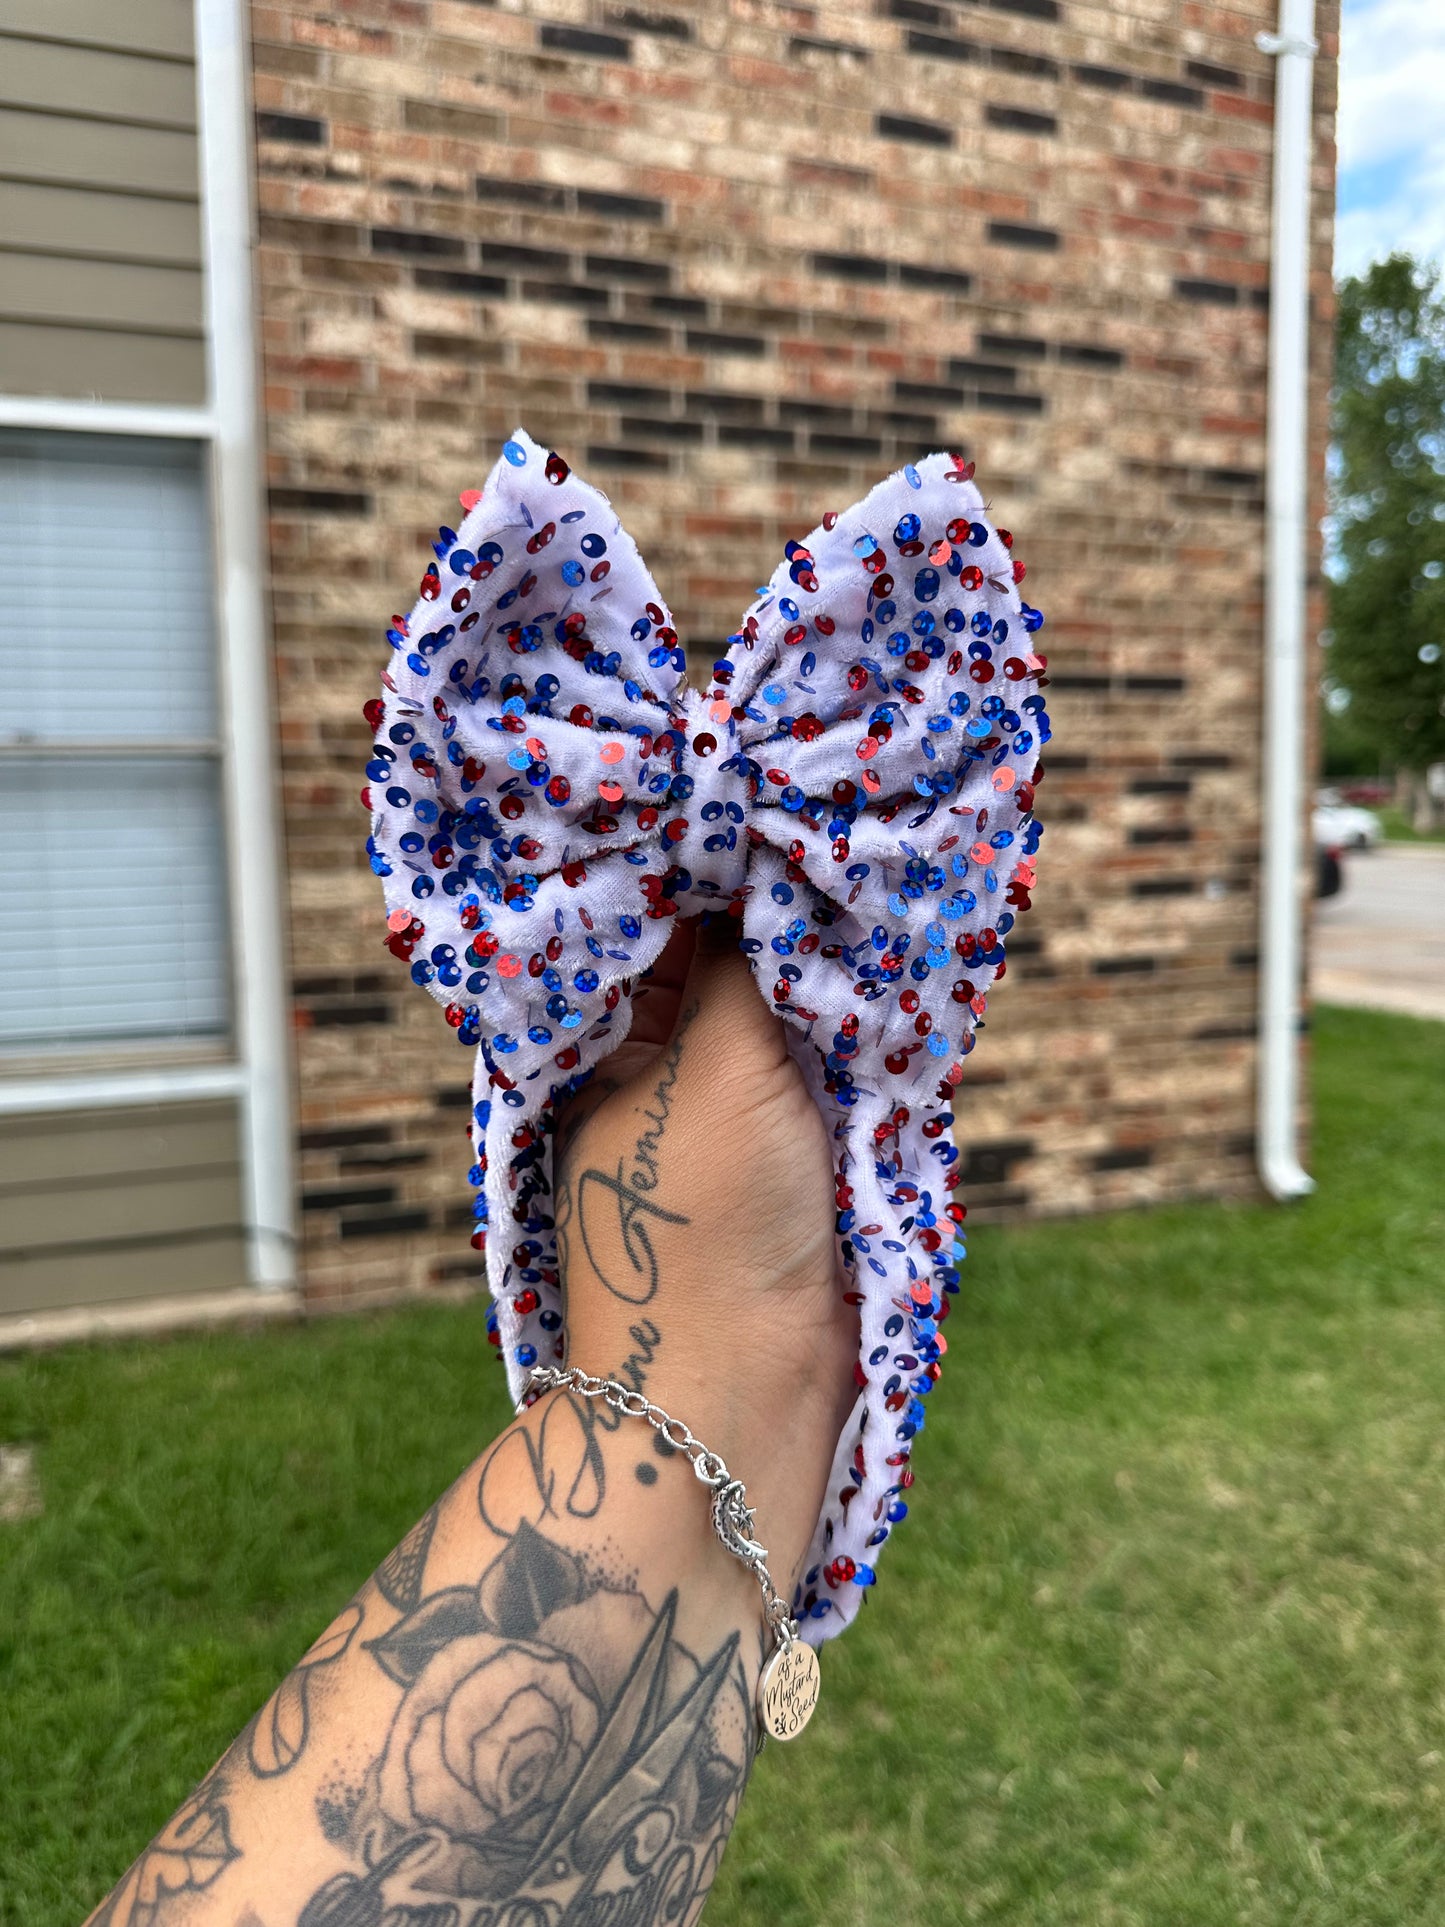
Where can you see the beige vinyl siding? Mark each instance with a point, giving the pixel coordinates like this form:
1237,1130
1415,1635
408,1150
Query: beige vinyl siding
100,241
99,1206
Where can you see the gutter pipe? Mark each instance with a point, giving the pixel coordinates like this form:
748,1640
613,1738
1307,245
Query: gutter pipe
1286,496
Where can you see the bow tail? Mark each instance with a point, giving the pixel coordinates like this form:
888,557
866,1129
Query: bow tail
897,1253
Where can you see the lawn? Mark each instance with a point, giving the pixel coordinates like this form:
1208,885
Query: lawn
1164,1642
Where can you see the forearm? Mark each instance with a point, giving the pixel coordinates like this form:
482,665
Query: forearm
542,1698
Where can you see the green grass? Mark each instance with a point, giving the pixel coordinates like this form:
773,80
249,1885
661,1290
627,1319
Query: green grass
1164,1642
1399,829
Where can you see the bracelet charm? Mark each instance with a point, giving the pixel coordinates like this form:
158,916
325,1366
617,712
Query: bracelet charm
790,1681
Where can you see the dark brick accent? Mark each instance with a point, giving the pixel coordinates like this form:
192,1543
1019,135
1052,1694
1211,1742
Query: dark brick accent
755,435
521,193
935,391
1125,1157
583,40
1083,354
1153,685
338,1197
340,1137
640,427
393,1157
618,267
930,15
993,1163
668,26
711,341
606,455
458,281
619,207
1014,234
1173,91
343,1016
1009,402
382,1224
625,394
1232,477
807,44
1202,759
994,371
1012,60
1031,9
1244,959
821,414
572,294
1220,294
291,127
747,408
512,254
1021,121
1123,966
1224,1034
1160,786
1025,347
686,307
319,501
1110,78
901,127
1145,833
942,46
398,240
852,447
921,274
1211,76
852,267
1162,887
605,328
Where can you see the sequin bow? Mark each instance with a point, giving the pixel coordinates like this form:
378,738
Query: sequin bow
855,786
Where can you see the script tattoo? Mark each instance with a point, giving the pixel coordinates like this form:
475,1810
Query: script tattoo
558,1759
637,1214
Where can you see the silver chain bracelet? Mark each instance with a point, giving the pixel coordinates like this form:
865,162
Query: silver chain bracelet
789,1683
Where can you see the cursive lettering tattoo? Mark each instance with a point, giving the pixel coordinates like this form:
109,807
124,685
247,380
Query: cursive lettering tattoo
633,1213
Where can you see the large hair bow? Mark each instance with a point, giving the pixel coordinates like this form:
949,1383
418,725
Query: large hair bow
856,786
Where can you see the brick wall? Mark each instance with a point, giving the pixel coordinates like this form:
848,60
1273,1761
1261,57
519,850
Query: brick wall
736,261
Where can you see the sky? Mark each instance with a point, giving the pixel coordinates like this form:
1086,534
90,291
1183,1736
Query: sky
1391,131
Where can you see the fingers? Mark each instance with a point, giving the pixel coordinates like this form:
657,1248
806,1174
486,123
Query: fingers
727,1020
658,996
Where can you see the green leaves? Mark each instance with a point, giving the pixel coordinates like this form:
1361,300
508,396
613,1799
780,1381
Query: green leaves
1387,501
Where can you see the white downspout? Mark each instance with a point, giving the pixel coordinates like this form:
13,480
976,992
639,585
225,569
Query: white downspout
1286,499
254,835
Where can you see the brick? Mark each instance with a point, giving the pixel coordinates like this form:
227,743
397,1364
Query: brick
736,277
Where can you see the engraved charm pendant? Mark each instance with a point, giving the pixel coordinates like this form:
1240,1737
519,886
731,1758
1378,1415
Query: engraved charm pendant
788,1689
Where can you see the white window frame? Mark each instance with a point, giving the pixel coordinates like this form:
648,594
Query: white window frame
228,427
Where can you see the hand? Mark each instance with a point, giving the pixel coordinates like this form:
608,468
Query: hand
696,1232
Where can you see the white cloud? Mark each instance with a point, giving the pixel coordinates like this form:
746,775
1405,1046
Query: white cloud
1391,131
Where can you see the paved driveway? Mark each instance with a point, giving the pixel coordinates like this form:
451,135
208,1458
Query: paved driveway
1380,944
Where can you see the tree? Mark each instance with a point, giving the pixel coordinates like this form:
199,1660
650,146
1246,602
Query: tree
1385,656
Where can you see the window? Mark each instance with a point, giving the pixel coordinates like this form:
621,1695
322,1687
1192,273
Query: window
112,857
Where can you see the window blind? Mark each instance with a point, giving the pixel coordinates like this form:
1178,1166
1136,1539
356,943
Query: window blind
112,861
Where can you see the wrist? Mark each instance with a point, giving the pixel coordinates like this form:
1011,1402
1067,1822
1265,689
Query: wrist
770,1405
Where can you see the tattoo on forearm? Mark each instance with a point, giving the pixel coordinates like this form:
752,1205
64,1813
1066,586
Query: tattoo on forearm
558,1759
636,1212
191,1850
277,1736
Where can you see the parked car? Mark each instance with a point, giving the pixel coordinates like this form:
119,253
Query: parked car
1344,824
